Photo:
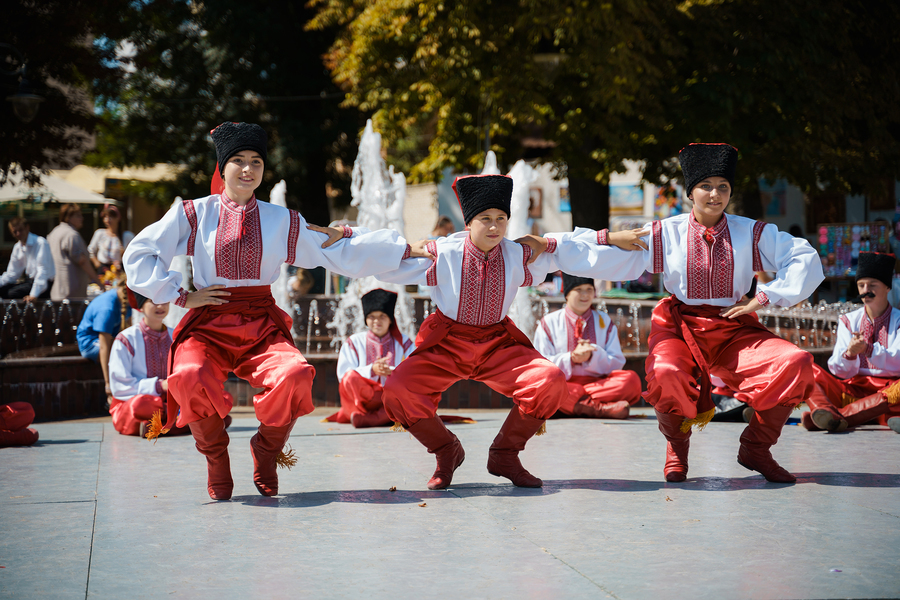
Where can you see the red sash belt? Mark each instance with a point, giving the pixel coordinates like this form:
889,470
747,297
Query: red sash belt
438,326
676,310
251,301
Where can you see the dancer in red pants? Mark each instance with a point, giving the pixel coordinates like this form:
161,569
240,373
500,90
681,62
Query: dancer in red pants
237,246
584,344
473,281
866,358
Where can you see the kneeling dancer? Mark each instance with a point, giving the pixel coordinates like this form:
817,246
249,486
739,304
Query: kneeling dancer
237,245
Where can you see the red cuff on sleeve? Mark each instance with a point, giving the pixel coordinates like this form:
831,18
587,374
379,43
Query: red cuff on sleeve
408,252
551,245
159,388
602,238
762,298
182,298
348,231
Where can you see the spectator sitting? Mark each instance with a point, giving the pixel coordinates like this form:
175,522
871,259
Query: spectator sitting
31,257
442,228
70,257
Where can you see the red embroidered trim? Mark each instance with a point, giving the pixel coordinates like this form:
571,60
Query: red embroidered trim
156,351
608,332
526,254
238,240
181,300
407,253
587,332
547,330
710,270
482,287
757,234
551,246
602,237
124,341
872,333
406,345
191,213
293,236
656,239
377,348
348,231
353,347
762,298
431,273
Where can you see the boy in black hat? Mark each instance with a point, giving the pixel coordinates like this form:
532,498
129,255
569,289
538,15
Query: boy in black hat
237,246
707,326
367,360
584,344
866,358
473,280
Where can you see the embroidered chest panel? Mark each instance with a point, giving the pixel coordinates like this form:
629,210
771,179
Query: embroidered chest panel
378,348
710,267
156,352
482,287
238,241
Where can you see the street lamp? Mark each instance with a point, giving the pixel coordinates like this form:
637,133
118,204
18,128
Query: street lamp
25,102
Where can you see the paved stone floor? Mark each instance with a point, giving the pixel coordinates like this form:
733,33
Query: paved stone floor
87,513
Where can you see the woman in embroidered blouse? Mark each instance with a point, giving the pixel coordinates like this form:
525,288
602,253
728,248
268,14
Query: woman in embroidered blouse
239,328
105,249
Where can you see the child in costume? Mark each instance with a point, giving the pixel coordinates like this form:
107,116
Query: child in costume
866,359
706,327
15,419
367,360
138,364
472,281
106,315
237,245
584,344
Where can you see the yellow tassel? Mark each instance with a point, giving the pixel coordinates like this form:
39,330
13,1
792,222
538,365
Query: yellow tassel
892,392
156,427
847,400
325,420
543,429
397,427
700,421
467,421
286,459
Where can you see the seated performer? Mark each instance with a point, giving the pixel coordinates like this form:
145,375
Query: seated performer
367,360
237,245
137,370
15,419
865,360
584,344
708,260
472,281
30,257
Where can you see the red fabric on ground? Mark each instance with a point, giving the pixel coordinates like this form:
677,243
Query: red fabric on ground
618,385
16,416
858,386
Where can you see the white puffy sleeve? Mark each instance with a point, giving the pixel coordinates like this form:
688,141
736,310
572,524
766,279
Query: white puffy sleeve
590,258
544,344
839,364
148,256
797,267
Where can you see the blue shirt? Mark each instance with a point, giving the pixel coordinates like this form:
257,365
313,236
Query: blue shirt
103,315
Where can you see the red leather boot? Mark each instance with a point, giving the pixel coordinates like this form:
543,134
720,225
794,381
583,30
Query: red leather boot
760,435
824,414
212,442
448,452
503,456
377,418
265,447
22,437
860,412
807,422
603,410
677,445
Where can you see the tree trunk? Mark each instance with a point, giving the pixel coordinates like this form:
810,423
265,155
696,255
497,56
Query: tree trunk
590,203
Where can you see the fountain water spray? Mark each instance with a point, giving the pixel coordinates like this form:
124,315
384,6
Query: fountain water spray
523,175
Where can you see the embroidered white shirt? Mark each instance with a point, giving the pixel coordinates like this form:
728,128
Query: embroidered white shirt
35,260
883,356
717,274
551,338
138,359
360,351
239,246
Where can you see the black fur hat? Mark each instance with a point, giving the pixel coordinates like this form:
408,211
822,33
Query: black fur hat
877,266
231,138
571,282
135,300
699,161
478,193
379,299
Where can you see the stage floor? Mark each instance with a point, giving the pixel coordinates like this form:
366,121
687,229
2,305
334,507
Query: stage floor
88,513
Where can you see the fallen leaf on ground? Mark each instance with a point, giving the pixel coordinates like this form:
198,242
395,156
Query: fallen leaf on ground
424,504
393,488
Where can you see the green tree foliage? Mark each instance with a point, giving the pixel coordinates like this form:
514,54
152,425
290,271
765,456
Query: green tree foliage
806,90
65,51
196,65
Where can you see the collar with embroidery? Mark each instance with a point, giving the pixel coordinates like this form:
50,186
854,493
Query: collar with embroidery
716,230
481,254
234,206
147,331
